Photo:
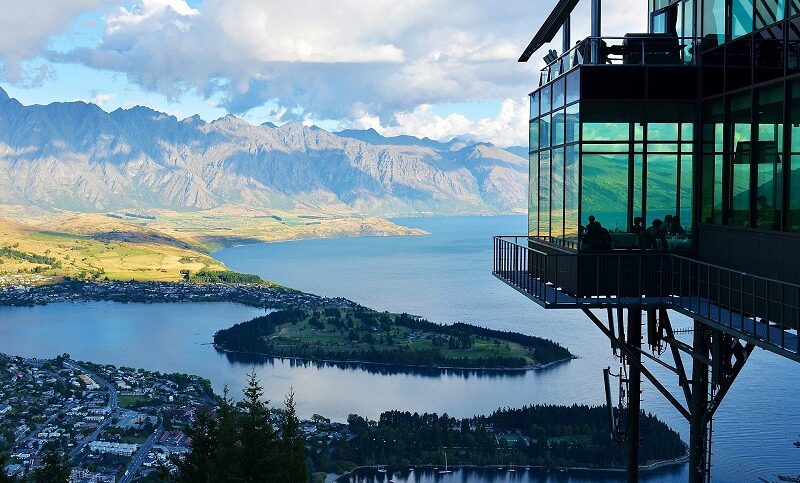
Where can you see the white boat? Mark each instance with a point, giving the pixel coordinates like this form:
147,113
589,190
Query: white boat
511,469
445,470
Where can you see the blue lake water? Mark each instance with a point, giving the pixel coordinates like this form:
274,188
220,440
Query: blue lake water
445,277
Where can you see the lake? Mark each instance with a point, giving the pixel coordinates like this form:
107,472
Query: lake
445,277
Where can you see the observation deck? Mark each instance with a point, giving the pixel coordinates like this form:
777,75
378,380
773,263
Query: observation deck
550,272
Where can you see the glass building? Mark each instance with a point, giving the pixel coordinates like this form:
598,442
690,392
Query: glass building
665,176
693,124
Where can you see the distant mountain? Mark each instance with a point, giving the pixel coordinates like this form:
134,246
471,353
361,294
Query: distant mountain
371,136
76,156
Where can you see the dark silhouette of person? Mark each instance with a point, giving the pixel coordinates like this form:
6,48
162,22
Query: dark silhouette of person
657,235
637,225
675,226
596,236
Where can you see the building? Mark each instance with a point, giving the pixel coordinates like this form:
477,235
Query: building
665,176
122,449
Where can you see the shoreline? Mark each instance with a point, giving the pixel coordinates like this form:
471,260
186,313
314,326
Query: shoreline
389,364
654,466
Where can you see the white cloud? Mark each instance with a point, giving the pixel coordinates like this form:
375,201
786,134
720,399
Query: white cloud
25,29
349,60
509,127
102,99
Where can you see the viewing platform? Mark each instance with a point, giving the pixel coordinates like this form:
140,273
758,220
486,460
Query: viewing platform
553,274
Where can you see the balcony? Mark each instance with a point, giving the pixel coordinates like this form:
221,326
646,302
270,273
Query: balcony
630,50
763,311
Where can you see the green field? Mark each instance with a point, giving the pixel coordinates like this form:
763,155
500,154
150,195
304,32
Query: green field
368,336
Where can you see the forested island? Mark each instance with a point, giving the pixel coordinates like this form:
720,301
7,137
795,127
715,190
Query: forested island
544,436
362,335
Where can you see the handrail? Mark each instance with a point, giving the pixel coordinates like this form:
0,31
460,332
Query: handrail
595,51
752,305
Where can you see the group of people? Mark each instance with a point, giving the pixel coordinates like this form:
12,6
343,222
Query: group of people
595,237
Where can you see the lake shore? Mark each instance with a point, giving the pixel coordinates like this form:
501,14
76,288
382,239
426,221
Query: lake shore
388,364
649,468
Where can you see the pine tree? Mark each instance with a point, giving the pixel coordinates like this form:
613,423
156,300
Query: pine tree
293,445
55,468
199,465
4,477
226,459
259,453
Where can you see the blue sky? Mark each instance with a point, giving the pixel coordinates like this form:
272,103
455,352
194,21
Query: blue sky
436,68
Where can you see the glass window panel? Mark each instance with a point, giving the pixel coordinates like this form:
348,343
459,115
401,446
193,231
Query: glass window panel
712,147
533,135
558,93
533,195
638,147
558,127
604,192
769,53
742,17
573,86
686,195
638,131
544,192
768,12
638,194
686,147
686,30
557,193
571,193
793,220
606,131
662,131
793,45
573,123
662,148
662,186
794,7
739,188
535,105
687,131
713,22
544,132
605,148
544,94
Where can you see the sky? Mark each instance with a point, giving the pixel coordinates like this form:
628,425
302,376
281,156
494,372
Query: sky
428,68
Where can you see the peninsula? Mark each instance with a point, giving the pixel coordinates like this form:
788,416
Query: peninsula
356,334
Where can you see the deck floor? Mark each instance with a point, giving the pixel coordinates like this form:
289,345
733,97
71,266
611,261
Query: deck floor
768,336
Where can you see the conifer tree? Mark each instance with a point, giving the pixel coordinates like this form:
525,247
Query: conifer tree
259,451
55,468
199,464
292,444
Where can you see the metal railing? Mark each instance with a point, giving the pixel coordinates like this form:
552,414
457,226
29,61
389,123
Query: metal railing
762,308
629,50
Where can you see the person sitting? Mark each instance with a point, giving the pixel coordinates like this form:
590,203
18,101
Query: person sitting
596,237
675,227
653,237
637,225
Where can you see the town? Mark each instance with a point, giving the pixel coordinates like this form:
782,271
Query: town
111,423
260,295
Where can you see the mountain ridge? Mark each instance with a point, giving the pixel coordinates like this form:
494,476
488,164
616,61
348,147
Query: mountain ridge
76,156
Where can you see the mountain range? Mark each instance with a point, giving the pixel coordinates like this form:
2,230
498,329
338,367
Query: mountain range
76,156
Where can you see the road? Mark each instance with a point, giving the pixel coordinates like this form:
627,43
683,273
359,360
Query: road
140,455
113,406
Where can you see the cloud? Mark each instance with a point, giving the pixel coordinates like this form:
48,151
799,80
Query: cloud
508,127
316,59
102,99
25,29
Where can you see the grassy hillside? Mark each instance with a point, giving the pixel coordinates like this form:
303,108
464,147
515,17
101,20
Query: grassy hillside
40,246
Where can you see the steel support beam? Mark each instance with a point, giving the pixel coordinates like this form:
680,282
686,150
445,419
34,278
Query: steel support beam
627,352
634,359
698,424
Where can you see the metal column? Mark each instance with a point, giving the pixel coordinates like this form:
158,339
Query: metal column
698,424
634,392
